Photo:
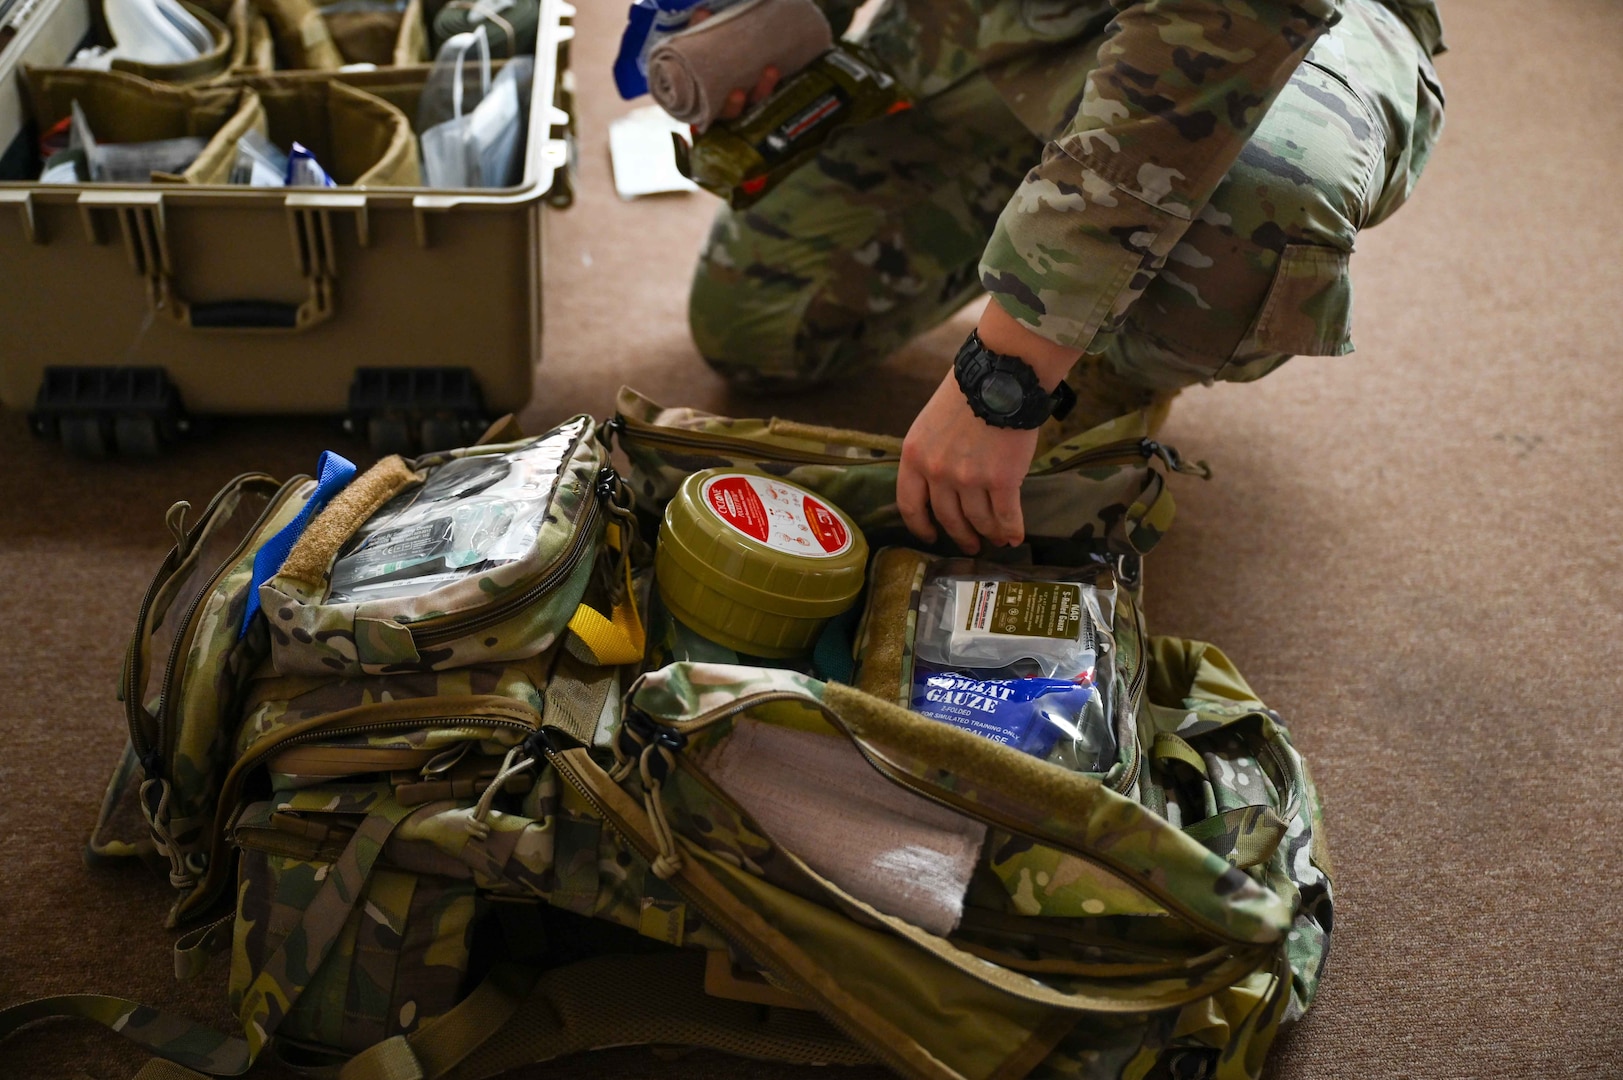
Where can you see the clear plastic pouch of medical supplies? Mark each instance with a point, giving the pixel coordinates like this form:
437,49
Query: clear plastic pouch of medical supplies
472,515
1012,654
468,556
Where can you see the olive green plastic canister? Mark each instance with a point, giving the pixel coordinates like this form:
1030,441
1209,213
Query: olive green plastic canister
756,563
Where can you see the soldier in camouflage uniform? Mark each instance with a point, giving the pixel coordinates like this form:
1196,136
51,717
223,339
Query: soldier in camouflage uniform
1155,195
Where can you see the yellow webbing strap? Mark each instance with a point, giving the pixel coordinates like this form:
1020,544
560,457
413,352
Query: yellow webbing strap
1171,747
621,638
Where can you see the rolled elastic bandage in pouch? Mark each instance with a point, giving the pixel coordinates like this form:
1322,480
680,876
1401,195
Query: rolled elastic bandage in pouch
690,74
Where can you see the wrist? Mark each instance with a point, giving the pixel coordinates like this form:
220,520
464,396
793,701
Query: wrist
1004,390
1003,333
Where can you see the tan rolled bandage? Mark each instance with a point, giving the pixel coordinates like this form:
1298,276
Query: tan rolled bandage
691,73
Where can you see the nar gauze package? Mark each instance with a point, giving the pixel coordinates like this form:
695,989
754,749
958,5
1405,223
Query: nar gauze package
1010,654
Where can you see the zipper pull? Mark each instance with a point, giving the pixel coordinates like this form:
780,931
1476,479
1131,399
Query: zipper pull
1128,570
176,520
1174,460
442,763
618,501
614,492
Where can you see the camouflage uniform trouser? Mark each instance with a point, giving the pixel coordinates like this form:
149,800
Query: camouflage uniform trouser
879,238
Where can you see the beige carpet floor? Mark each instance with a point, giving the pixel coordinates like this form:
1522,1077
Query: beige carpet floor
1413,552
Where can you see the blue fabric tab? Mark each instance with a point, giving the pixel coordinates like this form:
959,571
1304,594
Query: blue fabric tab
333,474
629,77
647,24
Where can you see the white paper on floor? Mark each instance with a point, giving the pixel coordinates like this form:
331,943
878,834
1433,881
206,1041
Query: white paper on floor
644,160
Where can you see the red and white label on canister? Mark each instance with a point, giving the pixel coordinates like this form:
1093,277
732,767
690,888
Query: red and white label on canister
783,517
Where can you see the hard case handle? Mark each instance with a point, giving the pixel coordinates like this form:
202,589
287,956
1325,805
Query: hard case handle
143,227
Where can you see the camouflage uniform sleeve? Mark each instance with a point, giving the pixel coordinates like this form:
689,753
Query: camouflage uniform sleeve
1179,88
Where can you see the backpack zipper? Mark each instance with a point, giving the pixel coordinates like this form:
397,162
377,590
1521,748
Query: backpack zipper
134,705
1126,452
1121,451
188,627
950,801
323,727
736,446
1135,696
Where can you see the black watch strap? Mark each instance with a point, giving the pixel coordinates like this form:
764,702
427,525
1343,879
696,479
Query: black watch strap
1004,391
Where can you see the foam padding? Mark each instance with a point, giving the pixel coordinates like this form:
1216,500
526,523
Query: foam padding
312,557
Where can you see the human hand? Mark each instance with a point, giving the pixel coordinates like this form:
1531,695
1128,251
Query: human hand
739,99
964,471
960,468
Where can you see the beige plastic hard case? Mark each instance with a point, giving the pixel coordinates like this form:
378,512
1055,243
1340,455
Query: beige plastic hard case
269,300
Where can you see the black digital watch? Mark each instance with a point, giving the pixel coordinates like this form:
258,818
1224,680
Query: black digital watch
1004,391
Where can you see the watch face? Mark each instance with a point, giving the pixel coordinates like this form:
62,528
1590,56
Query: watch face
1002,393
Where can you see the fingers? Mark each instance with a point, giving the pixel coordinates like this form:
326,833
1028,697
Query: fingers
977,507
912,499
738,100
995,513
1011,522
765,84
967,514
949,512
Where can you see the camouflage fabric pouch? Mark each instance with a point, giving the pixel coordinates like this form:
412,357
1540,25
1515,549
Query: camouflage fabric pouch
1162,916
420,792
425,736
1102,491
469,556
184,674
401,953
1140,939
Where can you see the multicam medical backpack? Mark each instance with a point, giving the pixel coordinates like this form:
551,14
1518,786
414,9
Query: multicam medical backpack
451,866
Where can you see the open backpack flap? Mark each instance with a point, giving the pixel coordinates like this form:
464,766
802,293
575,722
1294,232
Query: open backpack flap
183,673
451,841
1194,940
1103,491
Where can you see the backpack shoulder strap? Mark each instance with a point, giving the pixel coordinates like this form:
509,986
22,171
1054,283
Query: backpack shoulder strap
191,1048
517,1017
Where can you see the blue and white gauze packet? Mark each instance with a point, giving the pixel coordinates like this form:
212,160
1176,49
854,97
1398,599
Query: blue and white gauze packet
1030,715
1011,656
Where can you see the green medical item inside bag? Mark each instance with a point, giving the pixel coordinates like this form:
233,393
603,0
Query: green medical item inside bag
756,563
740,160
